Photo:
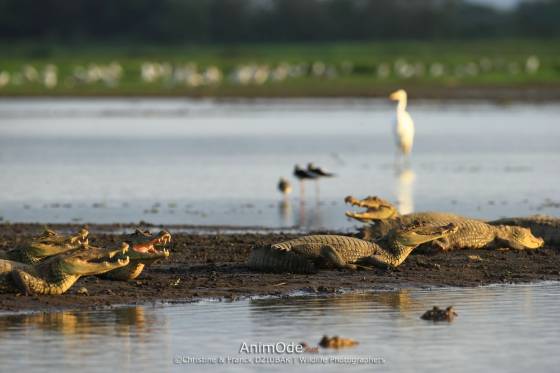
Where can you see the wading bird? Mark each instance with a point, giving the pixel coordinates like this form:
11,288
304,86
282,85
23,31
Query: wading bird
319,171
302,174
404,126
284,186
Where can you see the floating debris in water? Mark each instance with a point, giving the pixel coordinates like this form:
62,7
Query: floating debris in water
438,314
336,342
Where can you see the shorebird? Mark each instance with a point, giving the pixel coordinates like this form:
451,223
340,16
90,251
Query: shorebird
319,171
284,186
302,174
404,126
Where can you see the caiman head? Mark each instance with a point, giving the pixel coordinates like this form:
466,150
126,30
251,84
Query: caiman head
92,260
376,209
417,234
147,248
56,275
49,243
143,249
518,237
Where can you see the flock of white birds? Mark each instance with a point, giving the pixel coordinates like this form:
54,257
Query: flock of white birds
192,75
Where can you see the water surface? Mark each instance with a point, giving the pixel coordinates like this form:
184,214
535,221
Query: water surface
212,162
499,329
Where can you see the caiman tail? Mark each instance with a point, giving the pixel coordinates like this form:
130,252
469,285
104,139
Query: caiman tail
269,259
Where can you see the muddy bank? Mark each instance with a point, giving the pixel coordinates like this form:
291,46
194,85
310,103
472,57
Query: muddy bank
212,265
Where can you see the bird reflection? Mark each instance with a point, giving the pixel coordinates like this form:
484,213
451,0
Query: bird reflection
405,178
285,211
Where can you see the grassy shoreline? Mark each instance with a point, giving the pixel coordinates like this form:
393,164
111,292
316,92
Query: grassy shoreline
490,69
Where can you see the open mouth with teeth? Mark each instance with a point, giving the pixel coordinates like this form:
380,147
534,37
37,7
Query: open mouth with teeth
144,245
94,260
376,209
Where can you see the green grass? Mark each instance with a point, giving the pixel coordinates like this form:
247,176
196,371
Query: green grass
363,80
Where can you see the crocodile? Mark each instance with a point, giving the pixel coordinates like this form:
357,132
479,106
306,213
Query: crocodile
545,226
47,244
308,254
142,251
57,274
470,234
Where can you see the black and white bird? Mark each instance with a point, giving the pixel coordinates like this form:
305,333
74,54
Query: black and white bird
319,171
303,174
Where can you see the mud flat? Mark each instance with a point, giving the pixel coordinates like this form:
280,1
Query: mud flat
210,264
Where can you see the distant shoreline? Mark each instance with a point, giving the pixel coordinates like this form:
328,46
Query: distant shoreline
212,266
497,94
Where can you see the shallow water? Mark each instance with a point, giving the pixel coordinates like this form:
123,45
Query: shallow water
211,162
499,329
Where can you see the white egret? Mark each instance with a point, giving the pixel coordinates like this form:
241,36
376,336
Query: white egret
404,126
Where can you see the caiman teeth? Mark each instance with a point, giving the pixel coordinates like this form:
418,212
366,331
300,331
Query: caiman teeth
124,261
351,200
165,239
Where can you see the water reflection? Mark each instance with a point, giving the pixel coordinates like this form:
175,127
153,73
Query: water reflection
386,324
227,139
119,322
405,178
351,303
285,212
310,217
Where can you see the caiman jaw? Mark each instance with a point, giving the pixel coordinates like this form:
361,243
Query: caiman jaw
150,247
81,237
376,209
362,216
123,250
372,202
93,260
535,243
417,235
530,241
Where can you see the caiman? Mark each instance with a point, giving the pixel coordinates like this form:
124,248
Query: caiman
47,244
470,234
308,254
545,226
142,251
57,274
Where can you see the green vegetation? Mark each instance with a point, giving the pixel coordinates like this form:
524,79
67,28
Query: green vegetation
324,69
